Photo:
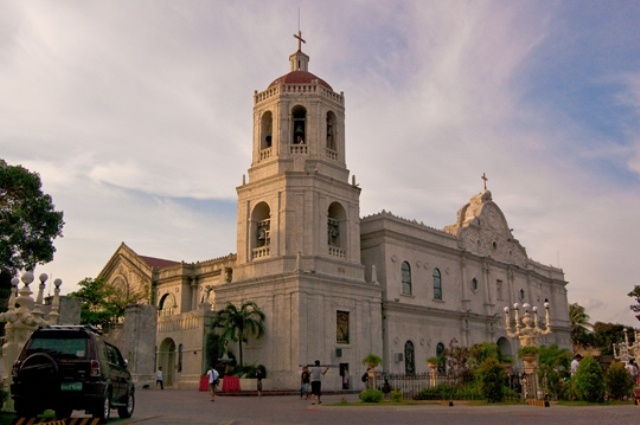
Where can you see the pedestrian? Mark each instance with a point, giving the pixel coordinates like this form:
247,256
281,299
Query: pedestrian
259,376
159,378
574,364
305,383
386,388
214,378
316,380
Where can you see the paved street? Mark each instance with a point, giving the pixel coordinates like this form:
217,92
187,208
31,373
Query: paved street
173,407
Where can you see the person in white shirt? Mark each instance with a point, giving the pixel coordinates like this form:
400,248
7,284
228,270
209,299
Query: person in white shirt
159,378
316,380
575,363
213,381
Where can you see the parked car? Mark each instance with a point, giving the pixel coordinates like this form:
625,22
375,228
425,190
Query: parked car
67,368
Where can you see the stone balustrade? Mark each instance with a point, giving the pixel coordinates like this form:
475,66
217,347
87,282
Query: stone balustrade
260,252
336,252
265,154
331,154
298,149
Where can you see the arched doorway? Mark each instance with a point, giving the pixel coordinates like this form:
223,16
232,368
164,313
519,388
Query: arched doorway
167,360
504,347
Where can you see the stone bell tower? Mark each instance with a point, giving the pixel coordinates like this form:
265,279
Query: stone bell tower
298,209
299,235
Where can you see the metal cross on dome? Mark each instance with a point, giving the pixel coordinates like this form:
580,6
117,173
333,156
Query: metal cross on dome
300,40
485,178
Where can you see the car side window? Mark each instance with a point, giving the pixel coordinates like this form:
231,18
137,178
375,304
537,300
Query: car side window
114,356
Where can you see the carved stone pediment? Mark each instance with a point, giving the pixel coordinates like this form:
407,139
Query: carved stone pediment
483,230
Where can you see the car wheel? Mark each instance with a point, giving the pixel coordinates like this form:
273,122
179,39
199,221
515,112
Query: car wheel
63,412
127,411
24,409
103,408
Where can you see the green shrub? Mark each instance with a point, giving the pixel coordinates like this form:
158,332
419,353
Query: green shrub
372,360
589,381
528,350
371,396
492,378
553,370
396,395
618,381
469,391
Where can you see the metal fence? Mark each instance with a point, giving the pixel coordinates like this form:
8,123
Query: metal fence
411,385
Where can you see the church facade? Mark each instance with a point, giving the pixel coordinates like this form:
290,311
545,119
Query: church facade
336,287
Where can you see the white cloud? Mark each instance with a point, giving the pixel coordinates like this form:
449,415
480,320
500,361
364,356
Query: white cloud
125,107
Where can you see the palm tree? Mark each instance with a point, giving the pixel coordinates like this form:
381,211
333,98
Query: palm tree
579,321
238,324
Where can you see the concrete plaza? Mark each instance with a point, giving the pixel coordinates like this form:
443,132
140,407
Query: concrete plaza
173,407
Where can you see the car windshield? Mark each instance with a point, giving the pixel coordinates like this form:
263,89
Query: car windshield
61,347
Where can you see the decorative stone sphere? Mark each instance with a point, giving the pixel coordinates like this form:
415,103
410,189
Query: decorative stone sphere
15,282
506,309
516,305
27,278
526,306
57,283
535,309
546,305
43,277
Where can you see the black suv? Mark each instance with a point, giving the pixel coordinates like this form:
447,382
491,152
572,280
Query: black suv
71,367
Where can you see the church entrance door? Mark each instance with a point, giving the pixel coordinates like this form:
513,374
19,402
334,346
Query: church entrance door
167,360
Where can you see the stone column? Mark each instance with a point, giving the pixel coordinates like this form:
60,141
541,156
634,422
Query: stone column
139,341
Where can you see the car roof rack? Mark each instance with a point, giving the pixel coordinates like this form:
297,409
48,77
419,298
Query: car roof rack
86,327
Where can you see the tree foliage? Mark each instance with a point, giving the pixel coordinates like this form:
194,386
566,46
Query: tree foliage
492,379
589,380
28,223
635,294
605,334
619,382
237,324
553,368
104,305
579,319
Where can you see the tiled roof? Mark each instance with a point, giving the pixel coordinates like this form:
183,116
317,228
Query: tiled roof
299,77
158,263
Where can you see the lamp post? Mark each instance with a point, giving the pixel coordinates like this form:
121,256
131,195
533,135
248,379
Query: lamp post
25,315
623,351
528,330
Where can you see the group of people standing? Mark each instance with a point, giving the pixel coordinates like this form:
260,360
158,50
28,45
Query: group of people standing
311,381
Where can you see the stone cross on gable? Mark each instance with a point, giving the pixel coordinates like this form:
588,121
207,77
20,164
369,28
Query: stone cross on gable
485,178
300,40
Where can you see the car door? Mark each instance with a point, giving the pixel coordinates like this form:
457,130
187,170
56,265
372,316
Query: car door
117,375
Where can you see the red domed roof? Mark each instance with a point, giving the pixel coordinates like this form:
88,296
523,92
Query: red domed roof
299,77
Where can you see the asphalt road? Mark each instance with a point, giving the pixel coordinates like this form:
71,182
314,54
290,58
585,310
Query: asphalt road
173,407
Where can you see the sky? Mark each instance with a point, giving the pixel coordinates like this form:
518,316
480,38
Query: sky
138,117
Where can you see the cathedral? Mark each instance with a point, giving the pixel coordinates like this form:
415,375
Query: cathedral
335,286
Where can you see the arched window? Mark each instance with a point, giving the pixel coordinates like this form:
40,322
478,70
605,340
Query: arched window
299,115
331,130
440,355
521,294
409,359
405,269
266,130
336,235
167,304
474,284
180,358
261,230
437,284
